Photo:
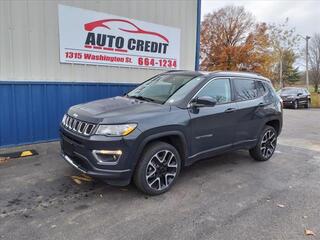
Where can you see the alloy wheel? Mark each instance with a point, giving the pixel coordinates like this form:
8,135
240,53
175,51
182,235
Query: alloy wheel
268,143
161,170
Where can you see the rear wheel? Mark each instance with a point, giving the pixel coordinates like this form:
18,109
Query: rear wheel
266,145
158,168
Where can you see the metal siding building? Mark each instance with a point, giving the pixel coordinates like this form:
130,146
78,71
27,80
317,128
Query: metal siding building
36,89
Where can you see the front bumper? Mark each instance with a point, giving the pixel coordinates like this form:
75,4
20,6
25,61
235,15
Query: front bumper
117,177
288,102
78,151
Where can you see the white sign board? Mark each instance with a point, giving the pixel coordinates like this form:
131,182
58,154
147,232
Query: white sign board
89,37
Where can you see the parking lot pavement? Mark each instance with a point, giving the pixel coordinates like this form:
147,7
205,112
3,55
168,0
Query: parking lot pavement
228,197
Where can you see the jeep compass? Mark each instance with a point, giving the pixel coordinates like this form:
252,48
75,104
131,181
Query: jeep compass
170,121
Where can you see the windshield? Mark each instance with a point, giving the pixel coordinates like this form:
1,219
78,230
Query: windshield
289,91
162,87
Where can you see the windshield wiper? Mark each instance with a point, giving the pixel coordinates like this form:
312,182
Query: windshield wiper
142,98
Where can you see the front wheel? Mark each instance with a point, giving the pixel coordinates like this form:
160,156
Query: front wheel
307,105
266,145
158,168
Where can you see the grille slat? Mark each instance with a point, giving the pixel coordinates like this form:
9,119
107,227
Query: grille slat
78,126
66,121
70,123
81,128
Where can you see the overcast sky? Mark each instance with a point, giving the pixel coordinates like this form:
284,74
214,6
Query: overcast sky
304,15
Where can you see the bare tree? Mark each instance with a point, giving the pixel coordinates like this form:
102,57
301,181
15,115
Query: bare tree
314,58
284,39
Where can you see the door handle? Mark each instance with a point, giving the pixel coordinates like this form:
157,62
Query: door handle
229,110
262,104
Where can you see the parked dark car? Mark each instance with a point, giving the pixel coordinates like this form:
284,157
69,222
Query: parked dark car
295,97
170,121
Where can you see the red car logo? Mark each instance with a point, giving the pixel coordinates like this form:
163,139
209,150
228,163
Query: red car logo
103,23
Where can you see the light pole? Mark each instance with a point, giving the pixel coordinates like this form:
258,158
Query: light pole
307,60
307,38
281,69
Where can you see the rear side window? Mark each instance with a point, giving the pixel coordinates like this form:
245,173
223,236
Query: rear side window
246,89
260,88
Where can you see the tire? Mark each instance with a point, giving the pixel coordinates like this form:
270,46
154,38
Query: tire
307,105
295,104
158,168
266,145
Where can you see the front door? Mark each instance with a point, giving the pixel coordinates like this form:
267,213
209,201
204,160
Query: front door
213,127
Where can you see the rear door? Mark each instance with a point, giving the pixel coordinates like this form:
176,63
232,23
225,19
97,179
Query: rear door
249,94
213,127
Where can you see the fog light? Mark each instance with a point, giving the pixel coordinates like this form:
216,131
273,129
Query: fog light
109,152
107,157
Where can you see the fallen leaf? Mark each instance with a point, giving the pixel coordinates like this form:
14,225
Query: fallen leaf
308,232
280,205
77,181
82,178
85,176
4,159
101,195
305,216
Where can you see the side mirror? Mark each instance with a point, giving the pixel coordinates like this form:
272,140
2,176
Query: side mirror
204,101
299,94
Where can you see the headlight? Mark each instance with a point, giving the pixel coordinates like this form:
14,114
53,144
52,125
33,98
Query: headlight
116,130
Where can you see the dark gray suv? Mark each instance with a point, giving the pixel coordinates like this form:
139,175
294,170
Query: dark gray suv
170,121
295,97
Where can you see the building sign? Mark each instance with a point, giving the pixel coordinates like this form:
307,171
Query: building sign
89,37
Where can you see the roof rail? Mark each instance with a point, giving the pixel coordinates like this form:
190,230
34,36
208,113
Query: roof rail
246,72
175,71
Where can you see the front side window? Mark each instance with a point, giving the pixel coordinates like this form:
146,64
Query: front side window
162,87
245,89
218,89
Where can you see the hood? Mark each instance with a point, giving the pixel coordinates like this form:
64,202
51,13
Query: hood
287,95
116,110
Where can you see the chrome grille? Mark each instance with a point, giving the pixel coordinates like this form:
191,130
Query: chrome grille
78,126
